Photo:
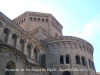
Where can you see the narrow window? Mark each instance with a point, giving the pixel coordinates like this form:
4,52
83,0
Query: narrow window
42,20
38,19
34,19
46,20
83,61
61,60
6,31
43,60
29,50
35,53
30,18
22,45
14,36
67,59
90,63
22,21
77,60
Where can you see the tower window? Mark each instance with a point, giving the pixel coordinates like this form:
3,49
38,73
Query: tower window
22,44
46,20
38,19
14,36
30,18
77,60
29,49
42,20
6,31
34,19
83,61
61,60
67,59
35,53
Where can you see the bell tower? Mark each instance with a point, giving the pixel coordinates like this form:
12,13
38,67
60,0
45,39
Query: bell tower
40,25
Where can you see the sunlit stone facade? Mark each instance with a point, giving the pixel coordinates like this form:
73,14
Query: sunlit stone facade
33,44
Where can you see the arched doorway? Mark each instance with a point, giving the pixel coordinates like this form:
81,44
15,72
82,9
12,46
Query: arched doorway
66,73
10,65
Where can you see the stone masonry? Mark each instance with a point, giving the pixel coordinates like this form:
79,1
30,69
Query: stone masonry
33,44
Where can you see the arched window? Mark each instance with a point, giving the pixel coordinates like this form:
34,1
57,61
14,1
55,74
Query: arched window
38,19
63,45
77,59
14,36
83,61
34,19
90,63
46,20
57,46
61,59
42,20
6,31
67,59
10,65
22,21
36,54
22,44
29,50
66,73
30,18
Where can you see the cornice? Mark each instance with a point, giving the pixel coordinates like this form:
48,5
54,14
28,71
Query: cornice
67,38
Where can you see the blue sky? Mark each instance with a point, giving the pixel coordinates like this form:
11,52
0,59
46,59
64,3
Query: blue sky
79,18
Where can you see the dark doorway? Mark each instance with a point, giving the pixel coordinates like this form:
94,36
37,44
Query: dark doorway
61,60
66,73
10,65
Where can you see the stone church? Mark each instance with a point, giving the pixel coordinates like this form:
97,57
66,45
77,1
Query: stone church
33,44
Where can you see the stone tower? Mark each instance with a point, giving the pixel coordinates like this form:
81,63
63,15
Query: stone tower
40,25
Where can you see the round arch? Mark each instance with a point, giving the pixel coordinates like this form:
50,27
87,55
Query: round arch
66,73
10,65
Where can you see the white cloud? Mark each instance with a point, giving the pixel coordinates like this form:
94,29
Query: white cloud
90,29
